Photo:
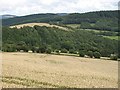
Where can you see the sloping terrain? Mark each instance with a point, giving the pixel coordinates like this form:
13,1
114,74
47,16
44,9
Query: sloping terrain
100,20
54,71
38,24
34,38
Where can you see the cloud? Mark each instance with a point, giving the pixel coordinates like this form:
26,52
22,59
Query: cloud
24,7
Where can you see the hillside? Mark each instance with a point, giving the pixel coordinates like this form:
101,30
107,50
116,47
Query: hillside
50,32
38,24
44,38
29,19
100,20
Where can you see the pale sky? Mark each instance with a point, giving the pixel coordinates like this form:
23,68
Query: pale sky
25,7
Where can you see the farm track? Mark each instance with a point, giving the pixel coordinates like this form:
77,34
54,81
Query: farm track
28,82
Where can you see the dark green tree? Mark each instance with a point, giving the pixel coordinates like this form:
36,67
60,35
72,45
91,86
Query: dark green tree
82,53
64,50
90,54
96,54
48,51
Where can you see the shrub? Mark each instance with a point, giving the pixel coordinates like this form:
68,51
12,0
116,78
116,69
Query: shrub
96,54
9,48
72,51
48,51
64,51
42,49
82,53
33,49
119,55
57,51
25,48
38,51
113,57
90,53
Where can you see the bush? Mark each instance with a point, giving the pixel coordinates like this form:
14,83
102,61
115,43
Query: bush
119,55
72,51
57,51
9,48
38,51
48,51
42,49
96,54
25,48
35,49
64,51
113,57
90,53
82,53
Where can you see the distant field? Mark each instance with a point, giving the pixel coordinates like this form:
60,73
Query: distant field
56,71
109,37
98,31
112,37
39,24
93,30
73,25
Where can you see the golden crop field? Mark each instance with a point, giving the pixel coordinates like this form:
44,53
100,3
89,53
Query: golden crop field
38,24
56,71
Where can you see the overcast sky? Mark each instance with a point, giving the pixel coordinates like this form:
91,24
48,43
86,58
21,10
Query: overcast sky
25,7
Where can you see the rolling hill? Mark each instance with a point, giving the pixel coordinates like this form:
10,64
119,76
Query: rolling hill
38,24
29,38
100,20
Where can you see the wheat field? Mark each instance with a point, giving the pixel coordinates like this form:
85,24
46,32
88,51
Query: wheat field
24,70
39,24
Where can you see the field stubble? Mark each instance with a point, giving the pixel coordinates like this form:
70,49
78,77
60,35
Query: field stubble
54,71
